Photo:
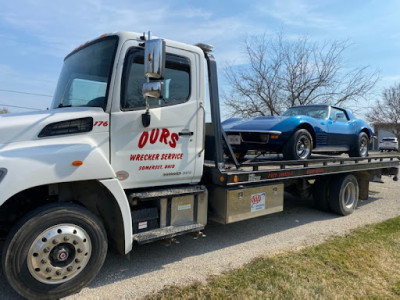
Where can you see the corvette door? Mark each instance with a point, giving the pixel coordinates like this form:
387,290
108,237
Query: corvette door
341,129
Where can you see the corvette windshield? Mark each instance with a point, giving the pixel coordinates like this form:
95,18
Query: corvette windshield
86,74
318,112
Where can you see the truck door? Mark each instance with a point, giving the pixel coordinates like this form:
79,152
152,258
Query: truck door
168,151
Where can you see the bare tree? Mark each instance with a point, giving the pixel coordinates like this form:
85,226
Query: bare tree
282,73
4,110
387,110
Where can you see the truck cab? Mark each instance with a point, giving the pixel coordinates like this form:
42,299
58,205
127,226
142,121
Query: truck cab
107,74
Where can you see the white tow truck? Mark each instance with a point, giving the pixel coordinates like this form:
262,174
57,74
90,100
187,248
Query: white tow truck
126,157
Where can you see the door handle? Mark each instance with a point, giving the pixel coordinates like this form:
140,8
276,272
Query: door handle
185,133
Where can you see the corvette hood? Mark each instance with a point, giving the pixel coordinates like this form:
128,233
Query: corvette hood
27,126
257,124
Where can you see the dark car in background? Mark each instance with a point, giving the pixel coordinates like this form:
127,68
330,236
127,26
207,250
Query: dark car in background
300,131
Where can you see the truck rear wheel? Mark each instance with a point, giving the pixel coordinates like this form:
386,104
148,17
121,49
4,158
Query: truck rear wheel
321,193
343,196
54,251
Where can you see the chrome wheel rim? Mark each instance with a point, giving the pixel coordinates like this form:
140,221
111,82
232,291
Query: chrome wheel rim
59,253
303,147
349,195
363,147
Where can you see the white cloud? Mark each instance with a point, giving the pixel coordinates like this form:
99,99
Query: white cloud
55,28
61,26
299,13
388,81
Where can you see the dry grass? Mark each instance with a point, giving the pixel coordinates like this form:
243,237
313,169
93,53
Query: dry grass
364,264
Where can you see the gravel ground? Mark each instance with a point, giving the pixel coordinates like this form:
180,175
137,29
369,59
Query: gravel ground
155,265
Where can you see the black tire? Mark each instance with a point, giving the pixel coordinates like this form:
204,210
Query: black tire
54,251
361,148
321,193
344,194
240,155
299,146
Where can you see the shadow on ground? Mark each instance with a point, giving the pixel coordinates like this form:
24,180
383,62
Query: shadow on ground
154,256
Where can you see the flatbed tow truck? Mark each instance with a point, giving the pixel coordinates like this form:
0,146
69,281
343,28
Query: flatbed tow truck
123,159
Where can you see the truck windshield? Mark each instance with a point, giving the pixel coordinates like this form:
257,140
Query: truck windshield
86,74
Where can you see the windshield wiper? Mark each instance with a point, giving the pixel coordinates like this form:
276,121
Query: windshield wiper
63,95
62,105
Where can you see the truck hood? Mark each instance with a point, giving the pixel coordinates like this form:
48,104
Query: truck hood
27,126
258,124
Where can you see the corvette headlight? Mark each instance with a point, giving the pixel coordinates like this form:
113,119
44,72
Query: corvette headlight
264,138
3,173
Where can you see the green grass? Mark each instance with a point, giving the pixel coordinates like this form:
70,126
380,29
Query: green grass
362,265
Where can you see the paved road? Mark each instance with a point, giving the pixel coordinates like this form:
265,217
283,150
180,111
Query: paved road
154,265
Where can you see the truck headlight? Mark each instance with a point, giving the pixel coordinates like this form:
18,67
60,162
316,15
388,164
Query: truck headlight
3,173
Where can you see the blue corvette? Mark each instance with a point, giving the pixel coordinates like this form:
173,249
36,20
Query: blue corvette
299,131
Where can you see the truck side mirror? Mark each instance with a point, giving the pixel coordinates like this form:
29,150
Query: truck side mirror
154,66
156,89
154,59
153,89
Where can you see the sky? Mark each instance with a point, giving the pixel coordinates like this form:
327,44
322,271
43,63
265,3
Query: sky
36,35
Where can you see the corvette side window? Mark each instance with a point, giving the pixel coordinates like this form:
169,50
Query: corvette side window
338,115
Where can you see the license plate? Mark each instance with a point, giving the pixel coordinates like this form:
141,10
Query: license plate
234,139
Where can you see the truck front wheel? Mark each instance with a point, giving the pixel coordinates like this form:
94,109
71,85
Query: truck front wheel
54,251
343,196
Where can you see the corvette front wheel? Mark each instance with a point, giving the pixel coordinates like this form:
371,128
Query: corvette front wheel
299,146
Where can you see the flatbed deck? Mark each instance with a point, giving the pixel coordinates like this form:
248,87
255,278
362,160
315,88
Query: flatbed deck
259,169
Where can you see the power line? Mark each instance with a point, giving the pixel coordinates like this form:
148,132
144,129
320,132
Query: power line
25,93
31,108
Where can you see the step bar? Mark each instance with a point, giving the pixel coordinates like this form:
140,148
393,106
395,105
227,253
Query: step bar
165,232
